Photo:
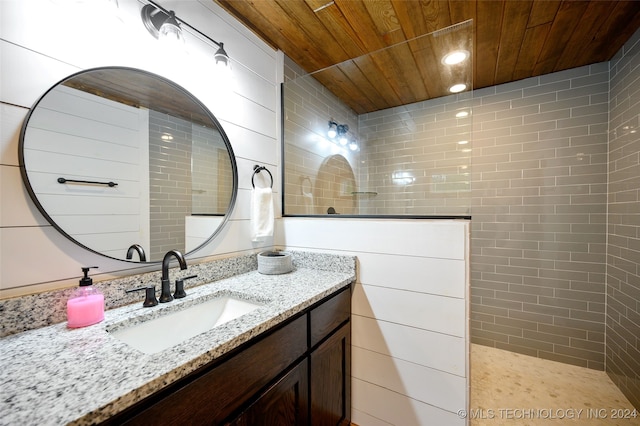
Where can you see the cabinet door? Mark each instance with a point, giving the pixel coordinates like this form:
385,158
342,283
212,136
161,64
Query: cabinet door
331,380
284,404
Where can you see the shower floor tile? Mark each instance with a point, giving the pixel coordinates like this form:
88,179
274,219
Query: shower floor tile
517,390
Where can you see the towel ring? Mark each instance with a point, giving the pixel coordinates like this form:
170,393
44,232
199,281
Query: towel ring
257,169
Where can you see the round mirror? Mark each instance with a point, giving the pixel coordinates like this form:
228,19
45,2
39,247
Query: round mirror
128,164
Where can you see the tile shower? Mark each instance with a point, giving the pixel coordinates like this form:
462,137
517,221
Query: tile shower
547,158
196,191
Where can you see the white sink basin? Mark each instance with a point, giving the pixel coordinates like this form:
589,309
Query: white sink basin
172,328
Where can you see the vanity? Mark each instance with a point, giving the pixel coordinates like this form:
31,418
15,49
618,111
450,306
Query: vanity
281,355
286,362
296,374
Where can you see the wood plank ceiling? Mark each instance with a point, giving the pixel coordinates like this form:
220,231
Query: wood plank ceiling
511,39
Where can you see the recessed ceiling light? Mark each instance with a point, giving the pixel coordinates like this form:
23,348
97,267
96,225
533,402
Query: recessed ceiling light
462,114
457,88
463,142
455,57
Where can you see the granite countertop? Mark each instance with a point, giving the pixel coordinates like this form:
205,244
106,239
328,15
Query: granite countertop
55,375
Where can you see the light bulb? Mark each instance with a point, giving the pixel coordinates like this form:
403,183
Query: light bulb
333,129
455,57
456,88
170,31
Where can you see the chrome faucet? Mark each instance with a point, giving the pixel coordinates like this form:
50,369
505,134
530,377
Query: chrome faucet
165,295
138,248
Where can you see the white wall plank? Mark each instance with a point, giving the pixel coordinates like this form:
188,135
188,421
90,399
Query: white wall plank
436,238
421,383
397,409
26,75
422,347
20,212
436,313
421,274
11,118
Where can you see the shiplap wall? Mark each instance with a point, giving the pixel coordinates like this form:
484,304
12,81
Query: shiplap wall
58,148
410,319
42,42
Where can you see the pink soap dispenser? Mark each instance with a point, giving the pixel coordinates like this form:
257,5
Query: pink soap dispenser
86,304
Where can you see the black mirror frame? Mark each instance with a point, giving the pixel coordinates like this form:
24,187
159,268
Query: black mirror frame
207,112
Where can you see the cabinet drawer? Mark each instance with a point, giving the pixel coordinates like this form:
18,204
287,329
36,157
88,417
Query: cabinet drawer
329,315
212,397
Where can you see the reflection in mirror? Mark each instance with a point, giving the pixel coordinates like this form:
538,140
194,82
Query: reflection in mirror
336,186
409,134
128,164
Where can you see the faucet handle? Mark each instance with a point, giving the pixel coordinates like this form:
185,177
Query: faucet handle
150,295
179,293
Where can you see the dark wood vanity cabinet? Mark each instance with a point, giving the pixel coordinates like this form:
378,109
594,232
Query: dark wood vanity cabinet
284,403
330,360
297,374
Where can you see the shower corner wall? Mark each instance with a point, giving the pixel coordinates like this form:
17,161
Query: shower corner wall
623,248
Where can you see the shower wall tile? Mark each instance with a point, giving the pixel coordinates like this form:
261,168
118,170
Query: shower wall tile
417,157
168,168
623,257
538,216
319,173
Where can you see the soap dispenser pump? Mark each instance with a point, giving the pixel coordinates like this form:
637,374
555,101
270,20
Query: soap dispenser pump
86,304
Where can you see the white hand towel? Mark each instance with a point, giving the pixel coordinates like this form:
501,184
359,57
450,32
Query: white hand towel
262,216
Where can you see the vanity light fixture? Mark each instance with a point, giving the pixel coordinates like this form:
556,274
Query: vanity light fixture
161,24
341,131
455,57
164,24
457,88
